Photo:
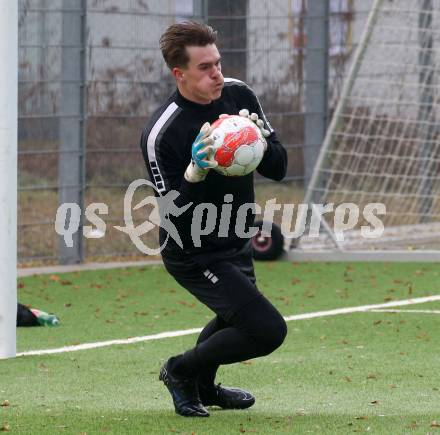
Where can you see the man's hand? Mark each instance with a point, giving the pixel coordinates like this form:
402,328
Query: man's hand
254,118
202,154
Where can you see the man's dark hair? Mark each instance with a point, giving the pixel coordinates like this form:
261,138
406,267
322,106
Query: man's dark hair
178,36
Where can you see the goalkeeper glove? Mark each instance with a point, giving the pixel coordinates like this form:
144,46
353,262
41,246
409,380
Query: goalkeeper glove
202,156
257,121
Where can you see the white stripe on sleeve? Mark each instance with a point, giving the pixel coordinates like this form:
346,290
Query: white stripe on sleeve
151,146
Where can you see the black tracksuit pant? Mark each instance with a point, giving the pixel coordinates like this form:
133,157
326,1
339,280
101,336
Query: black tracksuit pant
246,324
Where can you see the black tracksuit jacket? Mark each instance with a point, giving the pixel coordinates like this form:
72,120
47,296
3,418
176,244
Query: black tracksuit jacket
166,146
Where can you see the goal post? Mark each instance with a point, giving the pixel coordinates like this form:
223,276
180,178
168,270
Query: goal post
8,176
383,143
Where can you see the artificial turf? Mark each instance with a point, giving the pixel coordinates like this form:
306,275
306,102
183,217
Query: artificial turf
360,372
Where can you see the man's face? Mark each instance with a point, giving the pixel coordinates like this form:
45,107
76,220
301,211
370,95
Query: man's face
201,80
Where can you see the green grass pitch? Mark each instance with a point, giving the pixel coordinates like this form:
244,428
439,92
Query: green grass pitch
372,372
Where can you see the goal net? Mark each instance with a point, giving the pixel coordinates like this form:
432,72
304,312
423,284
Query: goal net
383,144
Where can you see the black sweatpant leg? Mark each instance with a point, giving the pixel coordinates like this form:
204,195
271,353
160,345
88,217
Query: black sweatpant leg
253,325
256,330
207,374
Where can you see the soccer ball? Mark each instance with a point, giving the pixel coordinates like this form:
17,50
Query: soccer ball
238,144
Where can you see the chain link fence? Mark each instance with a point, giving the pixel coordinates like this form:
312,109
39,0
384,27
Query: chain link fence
91,74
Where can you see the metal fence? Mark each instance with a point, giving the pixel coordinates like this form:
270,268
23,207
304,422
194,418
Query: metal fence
91,74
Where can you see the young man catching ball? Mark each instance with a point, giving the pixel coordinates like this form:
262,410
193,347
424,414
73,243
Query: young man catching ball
218,271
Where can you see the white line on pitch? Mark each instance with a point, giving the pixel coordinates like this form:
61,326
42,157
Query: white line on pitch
363,308
407,311
180,333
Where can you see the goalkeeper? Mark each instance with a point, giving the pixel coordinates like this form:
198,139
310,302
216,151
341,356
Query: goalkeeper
219,272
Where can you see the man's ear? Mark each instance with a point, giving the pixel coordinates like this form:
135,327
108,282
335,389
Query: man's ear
178,74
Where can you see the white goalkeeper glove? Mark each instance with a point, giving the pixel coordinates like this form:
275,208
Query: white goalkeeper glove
258,122
202,154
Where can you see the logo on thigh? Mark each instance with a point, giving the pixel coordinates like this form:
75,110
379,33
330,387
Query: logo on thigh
210,276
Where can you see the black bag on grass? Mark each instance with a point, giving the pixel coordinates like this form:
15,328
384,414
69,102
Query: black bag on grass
25,317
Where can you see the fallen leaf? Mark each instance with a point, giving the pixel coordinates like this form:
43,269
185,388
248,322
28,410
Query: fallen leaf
187,304
413,425
375,402
5,428
435,423
5,403
54,278
96,285
361,417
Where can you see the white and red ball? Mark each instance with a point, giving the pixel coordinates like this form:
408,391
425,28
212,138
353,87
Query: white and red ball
239,145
